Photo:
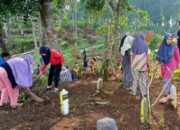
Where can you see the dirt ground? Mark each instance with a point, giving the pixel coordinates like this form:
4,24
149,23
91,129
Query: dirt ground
86,108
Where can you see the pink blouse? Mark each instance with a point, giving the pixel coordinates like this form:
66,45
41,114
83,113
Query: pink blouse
174,61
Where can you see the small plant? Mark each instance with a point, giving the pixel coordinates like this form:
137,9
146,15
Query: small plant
22,97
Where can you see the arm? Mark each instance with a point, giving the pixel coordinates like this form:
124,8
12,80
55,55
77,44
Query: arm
132,58
177,56
156,65
43,68
62,58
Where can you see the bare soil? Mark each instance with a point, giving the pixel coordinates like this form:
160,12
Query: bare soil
86,108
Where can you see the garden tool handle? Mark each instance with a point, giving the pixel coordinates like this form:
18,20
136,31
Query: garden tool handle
170,72
36,78
162,89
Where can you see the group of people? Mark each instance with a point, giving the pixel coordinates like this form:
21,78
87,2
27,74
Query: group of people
17,72
135,54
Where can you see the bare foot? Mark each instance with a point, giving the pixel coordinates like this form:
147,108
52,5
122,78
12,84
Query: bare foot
163,100
137,97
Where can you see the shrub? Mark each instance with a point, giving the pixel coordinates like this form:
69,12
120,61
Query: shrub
156,40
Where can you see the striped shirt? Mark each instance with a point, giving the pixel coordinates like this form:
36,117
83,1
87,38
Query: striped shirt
139,62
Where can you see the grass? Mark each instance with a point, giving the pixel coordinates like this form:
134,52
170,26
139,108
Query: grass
82,44
23,39
24,43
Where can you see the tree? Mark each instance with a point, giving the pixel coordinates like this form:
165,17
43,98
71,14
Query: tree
26,9
160,11
116,6
21,8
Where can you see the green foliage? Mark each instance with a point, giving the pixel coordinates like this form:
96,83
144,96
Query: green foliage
40,83
141,17
21,44
81,22
66,21
159,11
21,97
57,2
64,44
104,29
57,29
99,67
22,8
123,22
93,5
156,40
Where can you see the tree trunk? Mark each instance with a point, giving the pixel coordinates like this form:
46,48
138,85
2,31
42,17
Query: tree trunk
116,9
74,17
9,28
45,13
21,29
2,43
40,33
5,33
59,18
34,34
75,10
6,30
47,27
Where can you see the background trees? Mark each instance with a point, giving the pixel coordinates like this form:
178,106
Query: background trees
24,22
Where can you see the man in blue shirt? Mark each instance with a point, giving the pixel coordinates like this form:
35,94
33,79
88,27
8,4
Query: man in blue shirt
4,57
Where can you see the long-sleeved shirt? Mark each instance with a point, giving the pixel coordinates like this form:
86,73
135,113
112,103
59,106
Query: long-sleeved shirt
1,60
174,61
55,58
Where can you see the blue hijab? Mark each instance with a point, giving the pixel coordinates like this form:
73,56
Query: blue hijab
139,46
165,51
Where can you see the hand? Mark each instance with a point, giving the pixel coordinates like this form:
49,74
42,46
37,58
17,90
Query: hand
64,67
179,66
156,63
41,73
154,68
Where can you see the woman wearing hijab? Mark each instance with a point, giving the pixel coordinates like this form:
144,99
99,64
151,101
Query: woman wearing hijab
4,57
169,57
139,63
126,61
56,59
15,73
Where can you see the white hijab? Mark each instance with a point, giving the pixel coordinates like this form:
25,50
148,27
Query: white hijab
127,44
